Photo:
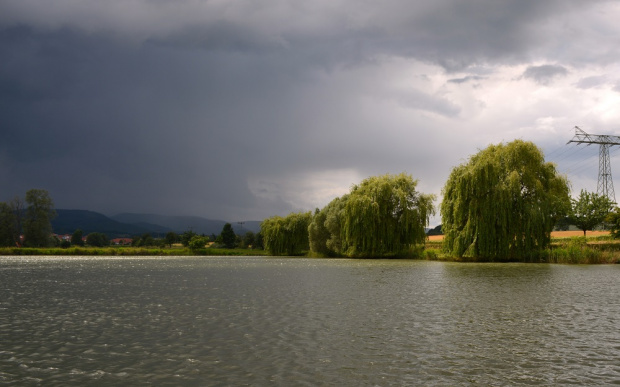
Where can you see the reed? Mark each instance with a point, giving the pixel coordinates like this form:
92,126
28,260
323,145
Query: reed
580,250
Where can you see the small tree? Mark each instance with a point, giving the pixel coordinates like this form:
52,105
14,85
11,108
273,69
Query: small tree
589,210
17,206
147,240
171,238
186,237
248,239
40,212
76,238
229,238
97,239
197,243
7,225
613,219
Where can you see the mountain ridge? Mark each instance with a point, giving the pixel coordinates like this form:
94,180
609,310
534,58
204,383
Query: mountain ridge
132,224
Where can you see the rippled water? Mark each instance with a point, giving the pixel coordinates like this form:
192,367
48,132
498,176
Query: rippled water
273,321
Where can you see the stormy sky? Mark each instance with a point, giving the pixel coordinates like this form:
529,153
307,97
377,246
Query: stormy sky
240,110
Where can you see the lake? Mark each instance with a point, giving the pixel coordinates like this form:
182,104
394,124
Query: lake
220,321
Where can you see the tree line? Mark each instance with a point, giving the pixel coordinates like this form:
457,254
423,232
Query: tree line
383,216
31,216
27,222
501,204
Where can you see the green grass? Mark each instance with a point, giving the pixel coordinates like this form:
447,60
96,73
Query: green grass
574,250
126,251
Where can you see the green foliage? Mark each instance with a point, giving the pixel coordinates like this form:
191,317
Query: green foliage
258,241
575,251
186,237
76,238
147,239
503,203
318,233
7,225
37,224
383,216
229,239
431,255
325,230
589,210
286,236
97,239
171,238
248,239
613,219
197,243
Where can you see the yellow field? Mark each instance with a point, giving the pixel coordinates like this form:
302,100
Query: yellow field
554,234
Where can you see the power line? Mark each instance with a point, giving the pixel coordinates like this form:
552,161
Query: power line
605,186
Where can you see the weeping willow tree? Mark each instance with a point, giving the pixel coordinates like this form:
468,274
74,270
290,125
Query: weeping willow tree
385,216
324,231
288,235
382,216
503,203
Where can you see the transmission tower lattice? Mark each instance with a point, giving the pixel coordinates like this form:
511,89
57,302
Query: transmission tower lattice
605,185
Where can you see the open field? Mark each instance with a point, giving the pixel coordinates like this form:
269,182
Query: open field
554,234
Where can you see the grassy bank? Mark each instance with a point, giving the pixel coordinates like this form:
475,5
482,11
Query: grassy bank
127,251
598,249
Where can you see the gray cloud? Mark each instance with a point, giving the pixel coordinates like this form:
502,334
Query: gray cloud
591,82
544,74
418,100
450,33
468,78
217,109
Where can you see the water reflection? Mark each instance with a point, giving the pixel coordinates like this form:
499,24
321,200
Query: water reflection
235,321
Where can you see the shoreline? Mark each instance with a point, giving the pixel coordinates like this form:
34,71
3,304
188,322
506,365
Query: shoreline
567,247
554,235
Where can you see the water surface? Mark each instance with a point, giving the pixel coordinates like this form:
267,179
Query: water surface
291,321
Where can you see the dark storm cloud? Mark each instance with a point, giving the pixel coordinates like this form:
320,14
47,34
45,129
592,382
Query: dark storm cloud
173,107
118,125
220,35
544,74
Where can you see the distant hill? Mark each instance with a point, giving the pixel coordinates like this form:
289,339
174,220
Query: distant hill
128,225
68,221
180,224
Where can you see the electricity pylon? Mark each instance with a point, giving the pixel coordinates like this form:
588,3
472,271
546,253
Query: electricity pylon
605,185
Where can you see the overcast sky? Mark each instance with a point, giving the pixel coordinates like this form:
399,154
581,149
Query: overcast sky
240,110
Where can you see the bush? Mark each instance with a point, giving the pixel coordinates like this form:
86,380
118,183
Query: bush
197,243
